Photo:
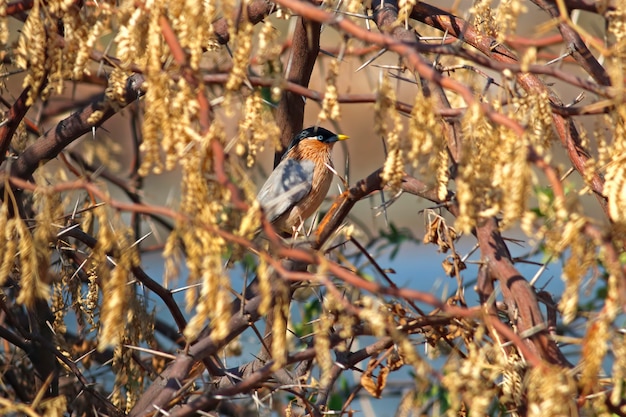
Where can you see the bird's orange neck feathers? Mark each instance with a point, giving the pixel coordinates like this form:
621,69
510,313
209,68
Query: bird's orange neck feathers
312,149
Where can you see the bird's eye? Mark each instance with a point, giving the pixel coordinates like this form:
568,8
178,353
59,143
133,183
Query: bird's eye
320,137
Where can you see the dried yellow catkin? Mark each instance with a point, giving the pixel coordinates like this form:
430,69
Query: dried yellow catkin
475,193
581,257
269,48
264,275
388,125
615,184
55,406
507,15
280,312
8,245
30,53
330,104
551,392
618,374
484,20
427,149
405,7
241,57
117,293
251,221
256,129
473,380
31,285
322,347
4,27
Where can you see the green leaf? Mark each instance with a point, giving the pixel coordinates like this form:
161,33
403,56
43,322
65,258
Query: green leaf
336,402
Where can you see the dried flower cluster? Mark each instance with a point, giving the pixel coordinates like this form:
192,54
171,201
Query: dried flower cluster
500,185
479,131
52,59
257,129
330,105
507,16
426,149
389,126
484,18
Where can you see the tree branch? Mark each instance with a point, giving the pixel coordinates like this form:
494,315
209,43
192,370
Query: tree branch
305,48
576,45
566,131
13,118
68,130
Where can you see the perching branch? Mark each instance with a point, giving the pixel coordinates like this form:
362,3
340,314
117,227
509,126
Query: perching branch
68,130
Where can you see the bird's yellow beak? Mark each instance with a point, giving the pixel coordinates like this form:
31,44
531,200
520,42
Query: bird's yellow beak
342,137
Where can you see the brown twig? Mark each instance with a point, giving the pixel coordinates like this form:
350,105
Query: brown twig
164,294
19,6
498,264
13,118
386,17
204,107
68,130
594,6
576,45
566,131
305,48
424,69
161,394
516,290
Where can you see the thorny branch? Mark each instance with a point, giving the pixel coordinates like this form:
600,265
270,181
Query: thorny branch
206,346
302,58
303,49
566,130
68,130
14,117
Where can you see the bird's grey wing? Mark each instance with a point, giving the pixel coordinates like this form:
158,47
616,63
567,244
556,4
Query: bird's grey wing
289,182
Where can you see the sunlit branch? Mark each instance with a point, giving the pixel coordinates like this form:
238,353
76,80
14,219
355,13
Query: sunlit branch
567,132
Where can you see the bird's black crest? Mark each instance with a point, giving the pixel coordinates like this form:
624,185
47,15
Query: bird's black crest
312,132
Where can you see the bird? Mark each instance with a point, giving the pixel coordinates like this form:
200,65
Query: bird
297,186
